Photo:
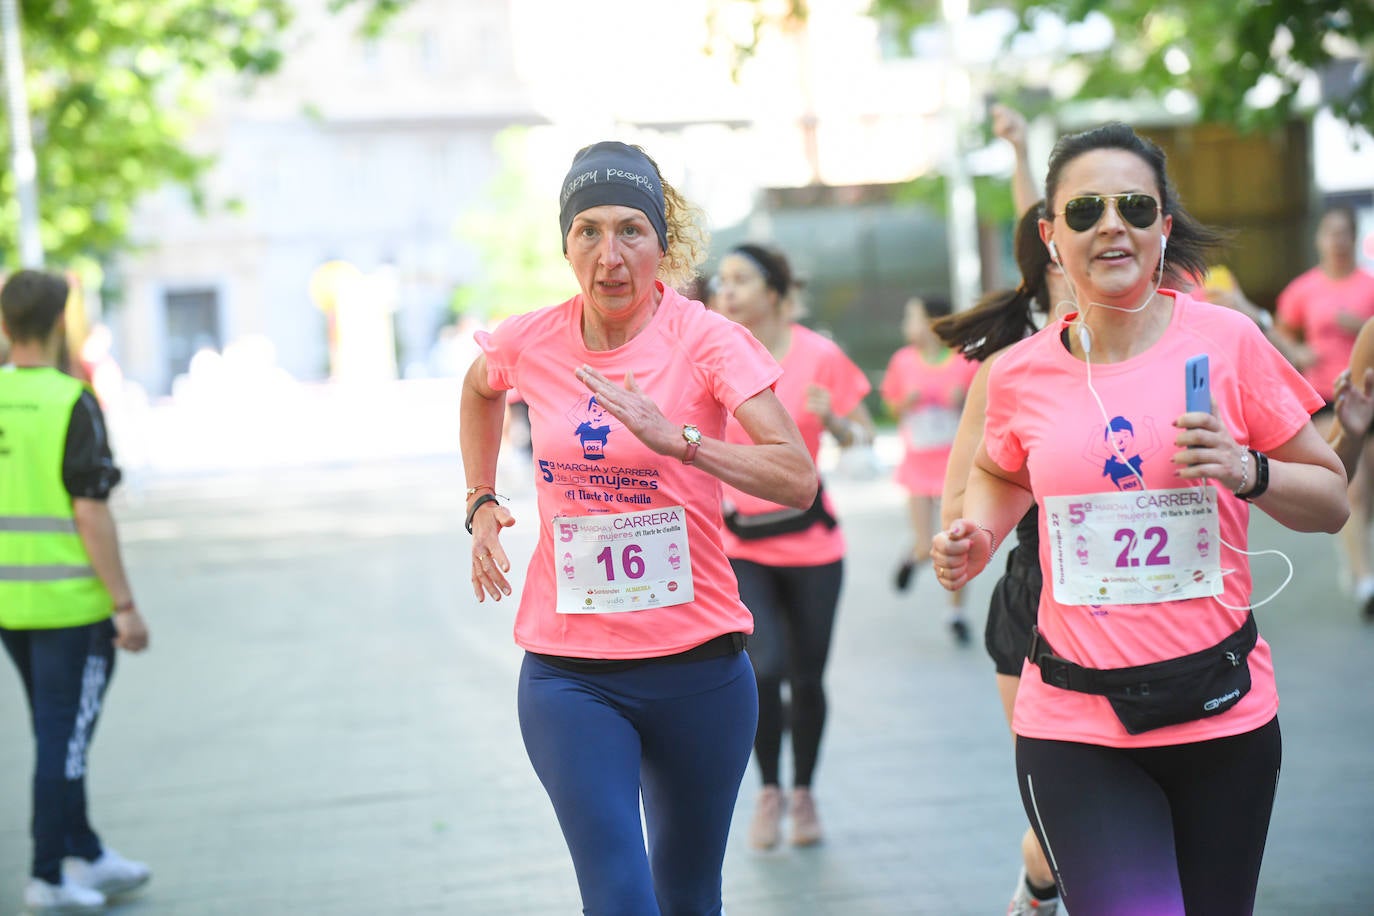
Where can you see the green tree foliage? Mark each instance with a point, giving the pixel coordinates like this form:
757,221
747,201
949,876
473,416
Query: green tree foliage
114,87
1228,47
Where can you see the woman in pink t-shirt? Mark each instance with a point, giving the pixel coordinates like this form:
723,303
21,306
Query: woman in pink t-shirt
1319,314
983,333
1147,737
924,387
789,564
634,683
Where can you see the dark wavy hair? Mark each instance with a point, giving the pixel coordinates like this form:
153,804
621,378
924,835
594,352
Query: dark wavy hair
1190,242
1001,318
772,264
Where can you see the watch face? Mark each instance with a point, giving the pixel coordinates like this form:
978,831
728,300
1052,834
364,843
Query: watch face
691,434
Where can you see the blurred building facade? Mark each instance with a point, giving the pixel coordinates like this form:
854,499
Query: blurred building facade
357,151
367,153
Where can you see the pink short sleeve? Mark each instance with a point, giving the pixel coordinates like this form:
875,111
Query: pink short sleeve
1003,445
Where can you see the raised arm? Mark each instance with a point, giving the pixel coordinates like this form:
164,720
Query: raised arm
1307,485
994,501
775,467
851,428
1306,488
1010,125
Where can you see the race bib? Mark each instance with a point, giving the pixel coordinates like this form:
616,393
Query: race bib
930,427
629,561
1137,547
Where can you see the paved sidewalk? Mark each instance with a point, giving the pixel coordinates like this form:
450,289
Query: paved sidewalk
326,722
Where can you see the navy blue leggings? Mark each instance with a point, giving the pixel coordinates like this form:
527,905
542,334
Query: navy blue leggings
1156,831
794,615
65,673
677,732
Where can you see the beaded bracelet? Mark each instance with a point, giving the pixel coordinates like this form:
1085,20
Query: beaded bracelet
991,537
1244,473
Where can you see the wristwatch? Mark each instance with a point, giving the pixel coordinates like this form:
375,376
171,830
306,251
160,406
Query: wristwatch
693,437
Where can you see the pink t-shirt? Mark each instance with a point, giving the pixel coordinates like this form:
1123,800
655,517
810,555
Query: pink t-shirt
811,359
1041,414
1311,303
698,367
929,425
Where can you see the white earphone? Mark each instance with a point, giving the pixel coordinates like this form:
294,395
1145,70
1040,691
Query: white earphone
1163,244
1054,253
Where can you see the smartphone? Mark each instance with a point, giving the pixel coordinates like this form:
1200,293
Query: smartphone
1197,384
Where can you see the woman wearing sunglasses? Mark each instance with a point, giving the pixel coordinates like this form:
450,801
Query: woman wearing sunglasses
1148,745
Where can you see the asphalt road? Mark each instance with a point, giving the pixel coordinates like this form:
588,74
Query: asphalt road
326,721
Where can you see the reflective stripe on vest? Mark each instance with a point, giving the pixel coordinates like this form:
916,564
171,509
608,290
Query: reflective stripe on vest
37,523
44,573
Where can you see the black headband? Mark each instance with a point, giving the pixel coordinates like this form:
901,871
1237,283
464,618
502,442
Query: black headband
612,173
766,264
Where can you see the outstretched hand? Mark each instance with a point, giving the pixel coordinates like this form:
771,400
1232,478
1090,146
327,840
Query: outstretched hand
636,411
1355,403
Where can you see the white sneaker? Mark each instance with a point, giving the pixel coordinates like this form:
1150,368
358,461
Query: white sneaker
1023,902
45,898
110,874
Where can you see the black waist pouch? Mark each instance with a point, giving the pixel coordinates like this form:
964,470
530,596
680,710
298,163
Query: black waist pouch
1176,690
783,521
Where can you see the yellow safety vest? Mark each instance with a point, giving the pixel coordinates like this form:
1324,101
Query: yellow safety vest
46,579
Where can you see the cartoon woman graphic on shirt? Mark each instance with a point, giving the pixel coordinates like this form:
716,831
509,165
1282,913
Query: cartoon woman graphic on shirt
1118,455
594,430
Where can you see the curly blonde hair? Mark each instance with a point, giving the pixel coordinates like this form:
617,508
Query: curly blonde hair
688,239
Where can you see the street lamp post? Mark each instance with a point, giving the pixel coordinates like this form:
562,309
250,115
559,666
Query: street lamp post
21,139
965,263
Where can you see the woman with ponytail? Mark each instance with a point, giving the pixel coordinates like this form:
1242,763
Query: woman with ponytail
998,320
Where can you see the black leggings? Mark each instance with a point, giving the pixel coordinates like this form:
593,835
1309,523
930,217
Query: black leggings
1157,831
794,612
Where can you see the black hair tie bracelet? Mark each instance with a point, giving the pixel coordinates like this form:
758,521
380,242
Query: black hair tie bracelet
478,503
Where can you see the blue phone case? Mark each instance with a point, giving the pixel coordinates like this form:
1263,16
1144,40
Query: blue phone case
1197,384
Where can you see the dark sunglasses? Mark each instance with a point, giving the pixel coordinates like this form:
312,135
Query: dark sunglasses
1082,213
